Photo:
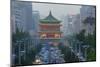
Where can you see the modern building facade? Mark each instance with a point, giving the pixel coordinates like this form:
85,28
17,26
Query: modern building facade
72,24
87,11
34,32
90,13
21,15
36,20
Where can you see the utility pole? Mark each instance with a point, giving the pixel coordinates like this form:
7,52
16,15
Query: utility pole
19,60
24,50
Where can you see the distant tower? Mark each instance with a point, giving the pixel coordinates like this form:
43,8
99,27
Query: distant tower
50,29
21,16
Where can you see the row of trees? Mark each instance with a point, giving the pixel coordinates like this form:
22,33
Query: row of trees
81,42
69,56
22,42
89,39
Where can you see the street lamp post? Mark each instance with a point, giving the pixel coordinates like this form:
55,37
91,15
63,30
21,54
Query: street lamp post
19,51
86,47
19,60
24,50
80,44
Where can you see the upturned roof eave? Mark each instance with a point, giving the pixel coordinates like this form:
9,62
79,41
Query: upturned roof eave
49,21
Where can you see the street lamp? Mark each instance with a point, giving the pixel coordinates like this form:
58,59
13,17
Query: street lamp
19,57
37,60
86,47
19,50
80,47
13,58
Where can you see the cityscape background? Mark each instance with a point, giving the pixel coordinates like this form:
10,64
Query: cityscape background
68,14
25,17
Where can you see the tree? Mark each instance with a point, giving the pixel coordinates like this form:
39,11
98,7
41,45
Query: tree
90,20
81,35
68,55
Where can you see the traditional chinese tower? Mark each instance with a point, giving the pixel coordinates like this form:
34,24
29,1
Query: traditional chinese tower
50,29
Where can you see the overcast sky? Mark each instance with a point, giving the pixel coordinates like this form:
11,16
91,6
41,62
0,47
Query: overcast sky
58,10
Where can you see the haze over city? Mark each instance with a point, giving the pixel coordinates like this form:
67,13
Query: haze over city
58,10
49,33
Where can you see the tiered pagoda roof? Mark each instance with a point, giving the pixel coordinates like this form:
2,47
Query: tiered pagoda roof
50,19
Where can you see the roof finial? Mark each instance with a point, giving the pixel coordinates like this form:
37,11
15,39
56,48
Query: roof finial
50,13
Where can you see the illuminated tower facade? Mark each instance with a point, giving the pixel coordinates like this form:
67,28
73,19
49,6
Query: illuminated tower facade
50,29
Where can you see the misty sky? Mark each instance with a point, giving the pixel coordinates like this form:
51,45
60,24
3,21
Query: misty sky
58,10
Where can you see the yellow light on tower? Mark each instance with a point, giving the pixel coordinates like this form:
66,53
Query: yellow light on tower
57,35
43,35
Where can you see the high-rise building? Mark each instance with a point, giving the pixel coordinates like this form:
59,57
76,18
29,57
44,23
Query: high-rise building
88,12
35,27
77,24
36,20
72,24
22,14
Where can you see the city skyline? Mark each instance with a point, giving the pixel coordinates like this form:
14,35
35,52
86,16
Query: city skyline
49,33
58,10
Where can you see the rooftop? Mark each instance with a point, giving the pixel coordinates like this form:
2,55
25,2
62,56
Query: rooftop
50,19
